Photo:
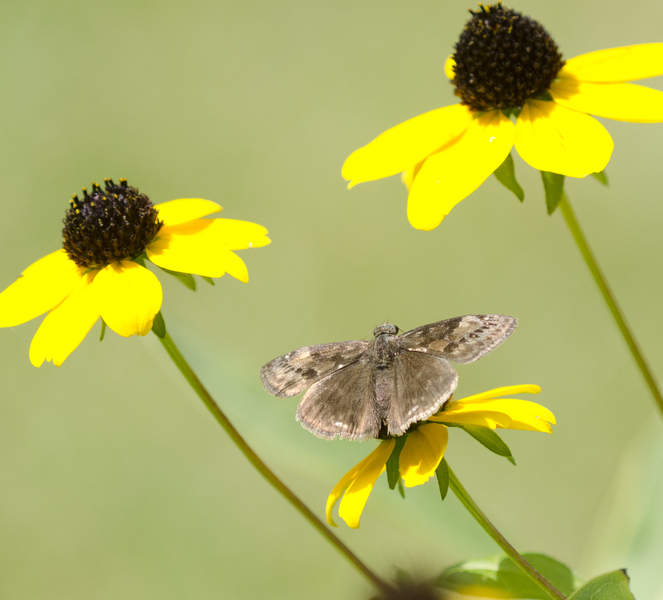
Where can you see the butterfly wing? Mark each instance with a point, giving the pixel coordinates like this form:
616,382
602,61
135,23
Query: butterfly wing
461,339
422,384
292,373
342,404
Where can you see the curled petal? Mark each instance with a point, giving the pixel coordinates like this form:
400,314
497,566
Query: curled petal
619,101
615,65
422,453
553,138
176,212
404,145
66,325
357,485
200,248
458,169
43,285
129,297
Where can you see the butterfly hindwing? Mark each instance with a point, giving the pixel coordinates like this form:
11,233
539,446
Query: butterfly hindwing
292,373
342,404
461,339
423,383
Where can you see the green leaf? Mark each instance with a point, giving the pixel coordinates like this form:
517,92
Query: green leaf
208,280
491,440
553,184
186,278
442,473
401,489
499,576
506,175
602,177
393,473
103,330
159,326
611,586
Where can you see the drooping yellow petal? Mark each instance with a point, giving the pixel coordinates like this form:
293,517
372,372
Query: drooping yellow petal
619,101
43,285
199,247
404,145
341,486
482,418
355,497
422,453
615,65
176,212
66,325
550,137
458,169
449,66
129,297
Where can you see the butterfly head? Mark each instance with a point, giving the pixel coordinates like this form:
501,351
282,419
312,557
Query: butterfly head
385,329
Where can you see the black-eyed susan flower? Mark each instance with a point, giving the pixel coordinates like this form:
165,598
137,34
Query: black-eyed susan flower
426,443
506,66
98,273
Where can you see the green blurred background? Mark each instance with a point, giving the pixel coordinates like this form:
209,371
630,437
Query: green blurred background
116,483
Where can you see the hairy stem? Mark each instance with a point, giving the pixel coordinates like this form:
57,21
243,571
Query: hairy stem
611,301
260,466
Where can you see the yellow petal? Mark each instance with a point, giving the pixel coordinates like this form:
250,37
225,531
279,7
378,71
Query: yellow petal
199,247
482,418
356,495
615,65
523,413
449,67
340,488
422,453
619,101
458,169
527,388
66,325
404,145
553,138
184,210
129,297
43,285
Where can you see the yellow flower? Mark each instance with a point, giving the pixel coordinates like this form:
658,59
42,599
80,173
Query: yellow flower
424,447
95,274
505,65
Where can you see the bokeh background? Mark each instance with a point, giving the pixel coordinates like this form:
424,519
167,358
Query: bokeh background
116,483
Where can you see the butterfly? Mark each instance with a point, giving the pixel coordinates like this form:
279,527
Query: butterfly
359,389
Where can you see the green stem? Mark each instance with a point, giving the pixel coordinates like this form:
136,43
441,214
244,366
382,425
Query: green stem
501,541
260,466
610,300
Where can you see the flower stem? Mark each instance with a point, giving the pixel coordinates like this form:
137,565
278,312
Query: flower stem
610,300
260,466
501,541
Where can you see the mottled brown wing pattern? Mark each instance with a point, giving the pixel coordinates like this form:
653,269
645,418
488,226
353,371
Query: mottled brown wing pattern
423,383
461,339
342,404
292,373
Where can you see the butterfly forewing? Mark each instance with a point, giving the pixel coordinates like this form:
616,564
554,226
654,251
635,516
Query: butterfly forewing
342,404
292,373
423,383
462,339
